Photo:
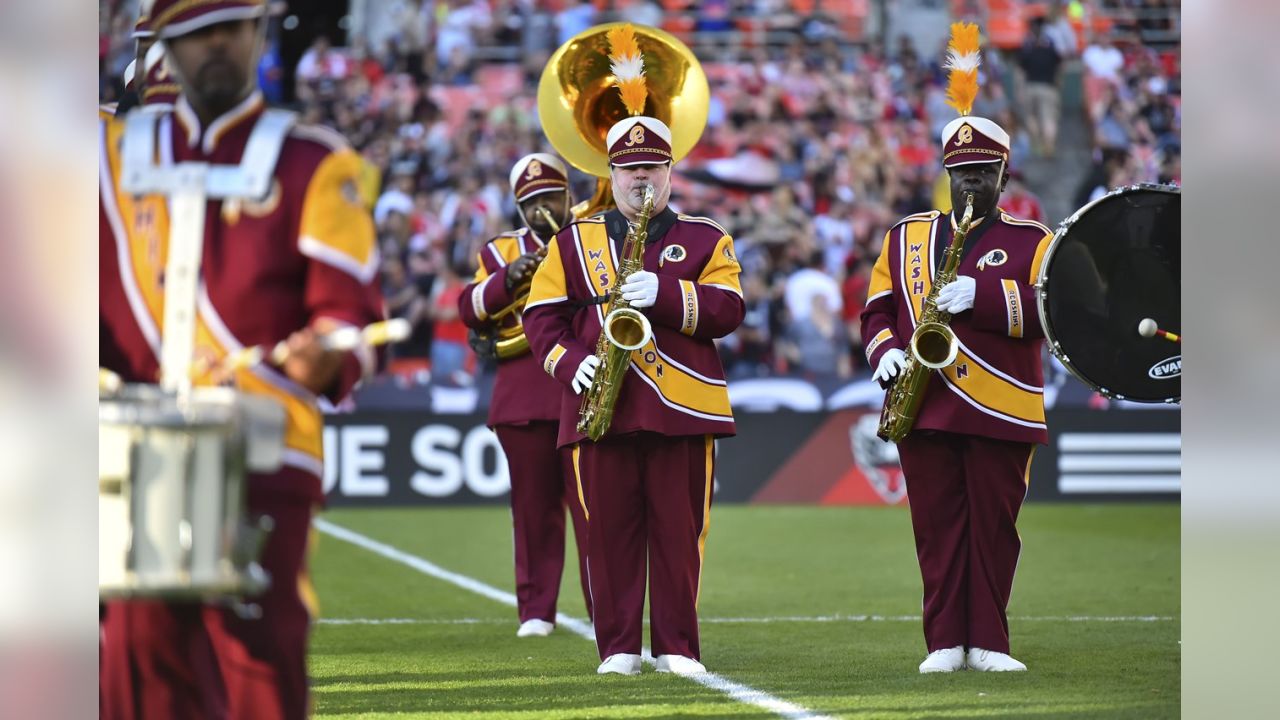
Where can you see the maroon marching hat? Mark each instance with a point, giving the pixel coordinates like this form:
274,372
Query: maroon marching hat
175,18
639,140
538,173
969,140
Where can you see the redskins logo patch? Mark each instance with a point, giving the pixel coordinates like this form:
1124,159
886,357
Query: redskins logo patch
728,255
993,258
674,253
533,171
964,135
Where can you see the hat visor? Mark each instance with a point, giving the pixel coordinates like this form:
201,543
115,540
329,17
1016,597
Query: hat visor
972,158
534,192
196,19
643,157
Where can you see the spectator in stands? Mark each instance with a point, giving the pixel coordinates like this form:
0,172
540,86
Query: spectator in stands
575,18
449,349
1020,202
320,70
817,344
1041,65
808,282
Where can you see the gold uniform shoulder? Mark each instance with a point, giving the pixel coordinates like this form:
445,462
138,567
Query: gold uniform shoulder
1039,229
699,220
328,139
929,216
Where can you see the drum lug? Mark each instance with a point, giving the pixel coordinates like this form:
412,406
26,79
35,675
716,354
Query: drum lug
246,611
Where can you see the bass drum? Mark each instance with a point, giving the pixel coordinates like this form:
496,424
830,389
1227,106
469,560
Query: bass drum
1114,263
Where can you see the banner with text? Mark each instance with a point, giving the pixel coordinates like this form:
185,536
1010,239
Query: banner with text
832,458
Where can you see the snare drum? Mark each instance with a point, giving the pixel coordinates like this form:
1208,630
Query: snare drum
1113,263
171,492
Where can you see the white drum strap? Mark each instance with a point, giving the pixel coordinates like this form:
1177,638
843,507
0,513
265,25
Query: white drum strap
189,186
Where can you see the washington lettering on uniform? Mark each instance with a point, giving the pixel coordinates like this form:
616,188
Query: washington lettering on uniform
1002,403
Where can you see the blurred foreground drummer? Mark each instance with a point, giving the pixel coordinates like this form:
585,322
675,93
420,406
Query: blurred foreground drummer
291,265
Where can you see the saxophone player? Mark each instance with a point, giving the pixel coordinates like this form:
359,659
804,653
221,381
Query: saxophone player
525,409
967,459
645,485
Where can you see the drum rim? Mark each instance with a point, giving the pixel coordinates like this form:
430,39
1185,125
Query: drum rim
1055,348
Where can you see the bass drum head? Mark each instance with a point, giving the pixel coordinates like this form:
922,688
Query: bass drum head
1114,263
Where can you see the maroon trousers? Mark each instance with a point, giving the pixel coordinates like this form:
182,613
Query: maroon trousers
965,492
191,660
541,487
648,498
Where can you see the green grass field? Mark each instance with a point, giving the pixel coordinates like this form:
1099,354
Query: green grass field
803,603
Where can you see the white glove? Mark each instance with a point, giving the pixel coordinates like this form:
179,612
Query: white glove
957,296
640,289
891,363
585,374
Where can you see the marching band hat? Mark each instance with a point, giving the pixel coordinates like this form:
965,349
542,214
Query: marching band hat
175,18
161,87
142,28
538,173
639,140
970,139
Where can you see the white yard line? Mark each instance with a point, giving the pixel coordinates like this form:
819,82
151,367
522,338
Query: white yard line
758,620
742,693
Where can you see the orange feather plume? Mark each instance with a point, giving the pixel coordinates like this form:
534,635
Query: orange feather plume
962,65
627,64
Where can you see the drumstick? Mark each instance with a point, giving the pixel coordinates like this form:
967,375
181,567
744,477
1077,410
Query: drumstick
1148,328
346,338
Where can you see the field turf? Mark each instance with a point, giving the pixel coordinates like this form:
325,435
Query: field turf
817,607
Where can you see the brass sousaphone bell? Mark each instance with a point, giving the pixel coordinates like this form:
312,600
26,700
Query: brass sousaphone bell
578,101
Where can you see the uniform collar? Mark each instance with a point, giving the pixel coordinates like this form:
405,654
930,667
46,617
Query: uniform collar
207,138
617,224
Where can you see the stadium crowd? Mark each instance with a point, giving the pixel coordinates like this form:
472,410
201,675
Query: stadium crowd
814,146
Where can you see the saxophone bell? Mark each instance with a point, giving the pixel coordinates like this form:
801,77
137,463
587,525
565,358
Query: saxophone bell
934,345
628,329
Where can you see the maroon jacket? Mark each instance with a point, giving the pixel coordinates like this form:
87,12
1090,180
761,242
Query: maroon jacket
270,266
675,385
996,386
522,392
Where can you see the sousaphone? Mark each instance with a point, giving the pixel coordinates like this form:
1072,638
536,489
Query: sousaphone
578,101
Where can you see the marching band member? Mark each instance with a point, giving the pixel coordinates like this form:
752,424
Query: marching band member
646,485
968,459
525,408
291,265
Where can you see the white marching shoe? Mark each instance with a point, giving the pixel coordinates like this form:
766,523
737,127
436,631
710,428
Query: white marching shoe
535,628
679,665
943,661
620,664
991,661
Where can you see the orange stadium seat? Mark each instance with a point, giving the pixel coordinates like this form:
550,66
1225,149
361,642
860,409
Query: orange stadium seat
681,27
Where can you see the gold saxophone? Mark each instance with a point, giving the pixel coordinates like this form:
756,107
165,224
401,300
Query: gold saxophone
625,330
933,344
512,341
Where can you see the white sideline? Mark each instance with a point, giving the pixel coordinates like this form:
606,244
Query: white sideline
754,620
742,693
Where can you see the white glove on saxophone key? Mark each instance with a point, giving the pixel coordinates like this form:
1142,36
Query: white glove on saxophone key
585,374
891,363
957,295
640,289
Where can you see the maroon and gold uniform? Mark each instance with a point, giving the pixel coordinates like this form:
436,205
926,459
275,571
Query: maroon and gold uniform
646,485
995,388
967,459
525,414
270,266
